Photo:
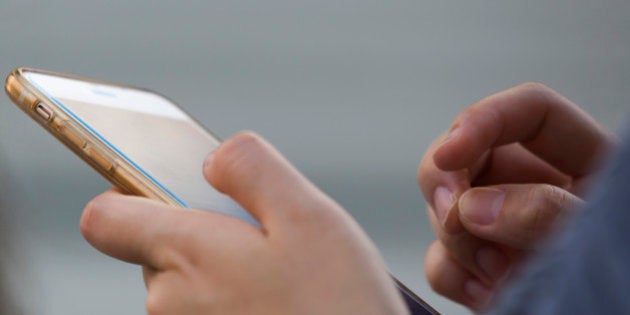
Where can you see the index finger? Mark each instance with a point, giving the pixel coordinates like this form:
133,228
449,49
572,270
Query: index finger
543,121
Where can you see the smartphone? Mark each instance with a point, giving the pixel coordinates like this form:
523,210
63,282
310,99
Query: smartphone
139,140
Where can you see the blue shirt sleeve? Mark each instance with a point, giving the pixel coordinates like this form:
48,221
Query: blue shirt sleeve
586,268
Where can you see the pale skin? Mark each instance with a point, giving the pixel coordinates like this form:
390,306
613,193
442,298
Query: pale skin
526,152
511,168
308,257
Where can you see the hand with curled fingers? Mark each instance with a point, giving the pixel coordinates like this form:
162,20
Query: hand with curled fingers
307,257
511,167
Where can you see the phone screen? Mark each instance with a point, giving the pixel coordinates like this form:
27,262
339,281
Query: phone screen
147,130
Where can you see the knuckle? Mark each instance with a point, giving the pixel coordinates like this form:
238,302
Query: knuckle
241,141
535,88
435,284
236,155
434,280
432,269
443,274
483,113
242,144
438,285
423,170
428,173
154,304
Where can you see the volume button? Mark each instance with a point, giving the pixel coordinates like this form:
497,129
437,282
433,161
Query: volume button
71,134
98,157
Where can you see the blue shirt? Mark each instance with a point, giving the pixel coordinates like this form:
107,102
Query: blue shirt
586,268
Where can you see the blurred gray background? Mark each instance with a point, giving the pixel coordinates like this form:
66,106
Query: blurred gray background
351,91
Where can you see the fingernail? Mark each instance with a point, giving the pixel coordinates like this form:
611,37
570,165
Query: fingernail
443,200
492,262
477,292
481,205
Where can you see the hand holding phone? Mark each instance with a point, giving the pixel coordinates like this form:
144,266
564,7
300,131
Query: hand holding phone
309,257
270,239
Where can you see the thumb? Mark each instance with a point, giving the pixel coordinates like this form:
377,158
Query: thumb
515,215
252,172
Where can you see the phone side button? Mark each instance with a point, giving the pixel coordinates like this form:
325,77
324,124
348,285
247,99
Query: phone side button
99,158
43,111
70,134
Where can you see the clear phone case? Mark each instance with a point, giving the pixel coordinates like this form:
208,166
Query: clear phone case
79,139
